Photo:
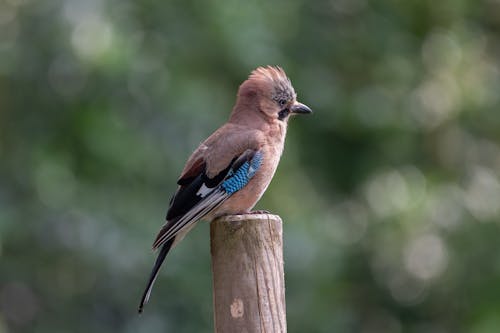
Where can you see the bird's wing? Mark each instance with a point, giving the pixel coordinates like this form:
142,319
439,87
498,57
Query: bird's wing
194,165
199,194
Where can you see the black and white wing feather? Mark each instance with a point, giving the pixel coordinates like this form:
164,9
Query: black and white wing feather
200,195
197,196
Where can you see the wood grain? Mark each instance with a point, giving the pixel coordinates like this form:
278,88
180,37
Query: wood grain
248,276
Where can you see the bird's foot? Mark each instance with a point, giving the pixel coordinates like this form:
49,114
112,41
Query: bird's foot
260,211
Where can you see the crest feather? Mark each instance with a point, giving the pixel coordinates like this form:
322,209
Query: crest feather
270,73
274,75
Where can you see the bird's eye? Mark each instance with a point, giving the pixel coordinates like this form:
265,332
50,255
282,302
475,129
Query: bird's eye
282,102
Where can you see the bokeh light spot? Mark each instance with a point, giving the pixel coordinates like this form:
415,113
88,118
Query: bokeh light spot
482,194
387,193
92,38
426,257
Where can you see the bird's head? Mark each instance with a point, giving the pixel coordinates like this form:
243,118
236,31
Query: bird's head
271,92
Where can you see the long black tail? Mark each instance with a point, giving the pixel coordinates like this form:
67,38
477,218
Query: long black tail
154,273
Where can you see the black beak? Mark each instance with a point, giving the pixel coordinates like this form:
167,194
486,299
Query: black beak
299,108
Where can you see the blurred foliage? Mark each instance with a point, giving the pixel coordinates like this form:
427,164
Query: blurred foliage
390,192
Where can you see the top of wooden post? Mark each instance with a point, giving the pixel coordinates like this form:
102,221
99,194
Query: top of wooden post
247,217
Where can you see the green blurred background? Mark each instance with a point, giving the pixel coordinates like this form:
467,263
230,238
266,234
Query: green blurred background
390,192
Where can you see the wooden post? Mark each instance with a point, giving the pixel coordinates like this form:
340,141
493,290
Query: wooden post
248,277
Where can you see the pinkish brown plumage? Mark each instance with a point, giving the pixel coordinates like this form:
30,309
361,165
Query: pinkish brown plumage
231,169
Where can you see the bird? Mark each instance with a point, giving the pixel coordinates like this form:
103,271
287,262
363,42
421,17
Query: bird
230,171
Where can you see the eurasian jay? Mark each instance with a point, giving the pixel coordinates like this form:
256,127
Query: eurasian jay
229,171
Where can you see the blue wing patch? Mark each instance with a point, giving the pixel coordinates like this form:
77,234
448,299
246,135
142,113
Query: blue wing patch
239,178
